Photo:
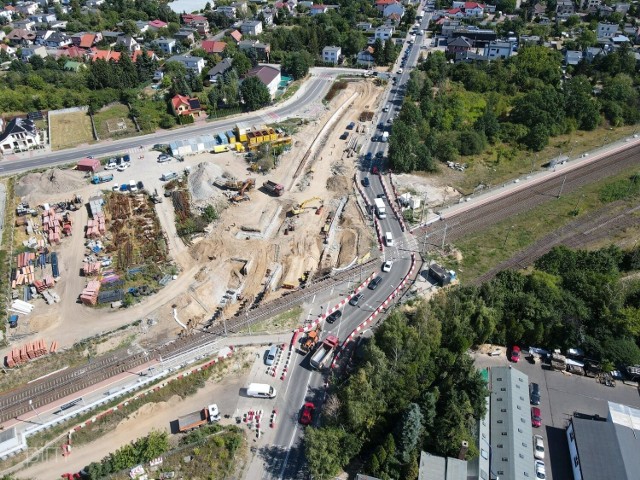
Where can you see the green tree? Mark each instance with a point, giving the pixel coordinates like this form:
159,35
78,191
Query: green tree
241,63
538,137
254,93
328,450
390,52
409,432
378,52
471,143
297,64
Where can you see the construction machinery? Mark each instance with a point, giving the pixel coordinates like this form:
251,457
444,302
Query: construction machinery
298,209
155,198
310,340
242,196
273,188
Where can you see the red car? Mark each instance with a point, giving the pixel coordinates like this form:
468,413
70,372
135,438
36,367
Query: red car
515,354
536,417
375,171
306,417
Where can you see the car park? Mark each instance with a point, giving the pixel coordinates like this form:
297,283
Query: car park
373,284
366,182
515,354
541,473
355,300
536,417
344,136
335,316
534,394
538,447
306,417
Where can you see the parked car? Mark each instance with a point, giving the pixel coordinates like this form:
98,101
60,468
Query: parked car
375,171
271,355
380,154
386,266
515,354
163,158
534,394
111,166
337,315
355,300
351,125
344,136
368,157
536,417
538,447
122,167
140,186
306,417
541,473
366,182
373,284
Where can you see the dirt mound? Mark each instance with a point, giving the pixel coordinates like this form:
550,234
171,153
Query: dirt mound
50,182
338,183
201,184
348,250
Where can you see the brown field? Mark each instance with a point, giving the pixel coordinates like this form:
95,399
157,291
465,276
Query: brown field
70,129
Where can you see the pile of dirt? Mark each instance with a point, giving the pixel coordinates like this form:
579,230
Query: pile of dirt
50,182
338,183
348,247
201,184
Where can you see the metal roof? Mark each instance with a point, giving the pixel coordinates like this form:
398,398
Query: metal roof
434,467
510,431
598,449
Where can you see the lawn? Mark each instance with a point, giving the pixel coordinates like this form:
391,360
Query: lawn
114,122
286,321
70,129
484,250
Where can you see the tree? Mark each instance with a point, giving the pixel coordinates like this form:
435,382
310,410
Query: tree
254,93
471,143
408,433
538,137
354,42
297,64
129,27
241,63
390,52
378,52
328,450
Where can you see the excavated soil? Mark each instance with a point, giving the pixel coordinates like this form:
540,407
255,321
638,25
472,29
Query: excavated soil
50,182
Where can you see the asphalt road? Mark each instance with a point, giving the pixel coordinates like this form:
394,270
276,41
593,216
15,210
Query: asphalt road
284,457
313,90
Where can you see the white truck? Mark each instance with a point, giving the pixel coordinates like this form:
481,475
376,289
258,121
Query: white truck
381,209
385,137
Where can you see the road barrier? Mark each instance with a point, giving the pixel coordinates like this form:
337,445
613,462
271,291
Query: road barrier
393,201
286,364
378,233
272,423
375,313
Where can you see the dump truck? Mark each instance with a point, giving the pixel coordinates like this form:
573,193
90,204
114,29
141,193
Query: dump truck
209,414
558,361
273,188
310,340
324,351
102,178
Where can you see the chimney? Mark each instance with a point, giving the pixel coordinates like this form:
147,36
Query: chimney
463,450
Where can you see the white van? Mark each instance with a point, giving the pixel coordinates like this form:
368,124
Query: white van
169,176
261,390
388,239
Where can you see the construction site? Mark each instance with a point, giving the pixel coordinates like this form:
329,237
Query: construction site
274,229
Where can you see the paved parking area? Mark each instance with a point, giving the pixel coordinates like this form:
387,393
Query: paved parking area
562,395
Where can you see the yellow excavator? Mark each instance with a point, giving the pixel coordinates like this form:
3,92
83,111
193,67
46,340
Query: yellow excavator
298,209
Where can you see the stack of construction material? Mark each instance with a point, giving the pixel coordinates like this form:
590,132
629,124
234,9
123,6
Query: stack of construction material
25,259
23,276
66,225
42,285
89,295
52,225
51,297
96,226
54,265
20,306
26,352
91,269
54,347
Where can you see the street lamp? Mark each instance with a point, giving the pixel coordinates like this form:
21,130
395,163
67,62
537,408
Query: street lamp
34,411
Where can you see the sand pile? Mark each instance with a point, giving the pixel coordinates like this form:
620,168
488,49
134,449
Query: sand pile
50,182
201,184
338,183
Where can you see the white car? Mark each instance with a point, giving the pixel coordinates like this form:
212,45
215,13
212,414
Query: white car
110,166
123,166
541,474
538,447
386,266
115,187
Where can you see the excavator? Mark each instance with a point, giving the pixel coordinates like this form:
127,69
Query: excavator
298,209
310,340
248,184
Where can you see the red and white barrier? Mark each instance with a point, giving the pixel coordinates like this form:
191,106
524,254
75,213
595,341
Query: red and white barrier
378,233
272,423
393,202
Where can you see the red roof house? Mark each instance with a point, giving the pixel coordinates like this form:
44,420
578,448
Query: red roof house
211,46
157,24
183,105
236,35
87,40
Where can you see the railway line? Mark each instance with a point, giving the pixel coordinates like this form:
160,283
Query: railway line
483,216
55,387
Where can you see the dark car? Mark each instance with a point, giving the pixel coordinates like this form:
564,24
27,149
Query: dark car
380,154
373,284
382,196
534,393
140,186
351,125
368,157
344,136
366,182
337,315
355,300
381,125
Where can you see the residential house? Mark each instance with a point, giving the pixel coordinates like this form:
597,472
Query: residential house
449,26
9,50
27,8
268,75
590,5
318,9
470,9
479,37
364,26
42,36
20,134
565,8
24,25
262,50
136,53
142,26
288,6
393,9
620,39
606,30
529,40
94,3
198,22
28,52
539,9
572,57
73,52
166,45
366,56
331,55
267,15
193,64
622,8
236,35
241,7
157,24
57,40
211,46
182,105
469,57
184,36
106,55
88,40
227,10
604,11
220,69
460,44
7,13
20,36
591,53
455,13
496,49
251,27
43,17
382,4
128,43
383,33
110,37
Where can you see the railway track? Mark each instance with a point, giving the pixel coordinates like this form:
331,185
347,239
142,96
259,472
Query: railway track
47,390
493,212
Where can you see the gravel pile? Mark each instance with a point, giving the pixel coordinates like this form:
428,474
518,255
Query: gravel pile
201,185
50,182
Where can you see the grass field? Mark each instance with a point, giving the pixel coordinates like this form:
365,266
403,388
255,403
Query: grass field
484,250
70,129
108,118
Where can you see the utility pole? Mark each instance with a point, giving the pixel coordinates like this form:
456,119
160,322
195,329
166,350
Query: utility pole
562,186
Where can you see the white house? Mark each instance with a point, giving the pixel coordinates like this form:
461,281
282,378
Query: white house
318,9
268,75
496,49
383,33
470,9
331,54
607,30
194,64
252,27
128,43
27,8
227,10
166,45
20,134
28,52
